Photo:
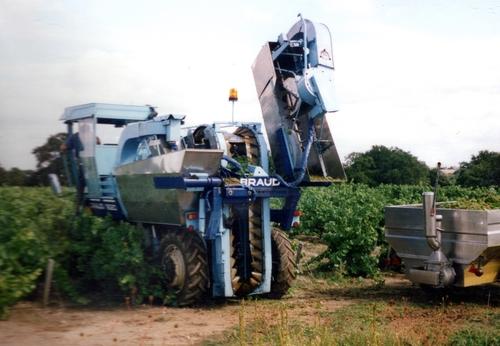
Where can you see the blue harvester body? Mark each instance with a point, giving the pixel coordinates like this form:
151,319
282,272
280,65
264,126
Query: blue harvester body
214,181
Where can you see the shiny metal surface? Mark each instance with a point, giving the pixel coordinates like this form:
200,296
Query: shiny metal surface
145,203
466,235
423,276
431,232
176,162
285,110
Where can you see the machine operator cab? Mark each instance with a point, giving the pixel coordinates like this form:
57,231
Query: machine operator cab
115,151
92,145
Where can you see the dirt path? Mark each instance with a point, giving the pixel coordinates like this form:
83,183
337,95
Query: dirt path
31,325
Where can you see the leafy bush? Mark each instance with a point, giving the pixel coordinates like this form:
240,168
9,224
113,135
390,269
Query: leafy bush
349,218
482,170
110,257
33,224
91,254
470,198
94,254
382,165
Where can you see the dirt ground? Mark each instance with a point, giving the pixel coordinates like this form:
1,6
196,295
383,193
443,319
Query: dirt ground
32,325
29,324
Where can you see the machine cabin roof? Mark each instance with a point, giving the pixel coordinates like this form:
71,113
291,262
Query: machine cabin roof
106,113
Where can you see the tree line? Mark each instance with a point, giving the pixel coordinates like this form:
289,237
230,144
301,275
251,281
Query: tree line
383,165
48,159
379,165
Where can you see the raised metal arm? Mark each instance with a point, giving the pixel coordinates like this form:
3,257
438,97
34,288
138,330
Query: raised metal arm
295,86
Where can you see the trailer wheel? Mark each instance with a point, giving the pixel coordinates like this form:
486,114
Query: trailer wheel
284,267
184,263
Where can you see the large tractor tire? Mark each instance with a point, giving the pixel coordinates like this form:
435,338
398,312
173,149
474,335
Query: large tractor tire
284,266
184,263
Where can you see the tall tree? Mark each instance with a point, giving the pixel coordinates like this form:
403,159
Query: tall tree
482,170
382,165
3,176
48,160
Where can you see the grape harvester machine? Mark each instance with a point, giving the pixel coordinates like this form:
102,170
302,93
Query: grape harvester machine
202,193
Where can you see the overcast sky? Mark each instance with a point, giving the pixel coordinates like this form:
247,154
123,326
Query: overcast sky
420,75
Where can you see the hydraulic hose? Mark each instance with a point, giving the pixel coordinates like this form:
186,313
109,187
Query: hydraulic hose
305,156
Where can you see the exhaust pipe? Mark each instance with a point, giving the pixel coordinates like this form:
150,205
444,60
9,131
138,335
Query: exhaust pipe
430,221
438,270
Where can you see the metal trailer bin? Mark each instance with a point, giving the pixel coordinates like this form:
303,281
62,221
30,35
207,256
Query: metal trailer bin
469,241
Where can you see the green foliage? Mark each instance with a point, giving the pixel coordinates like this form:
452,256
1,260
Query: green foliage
444,180
110,257
485,203
15,177
382,165
91,254
33,224
453,193
482,170
94,254
475,337
349,218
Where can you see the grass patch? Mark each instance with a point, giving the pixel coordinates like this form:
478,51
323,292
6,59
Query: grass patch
474,337
339,314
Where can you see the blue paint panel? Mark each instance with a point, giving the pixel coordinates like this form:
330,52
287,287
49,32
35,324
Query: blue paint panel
285,165
202,182
237,195
215,214
218,281
169,182
185,183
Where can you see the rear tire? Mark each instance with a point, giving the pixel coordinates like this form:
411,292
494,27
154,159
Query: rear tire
284,269
184,263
